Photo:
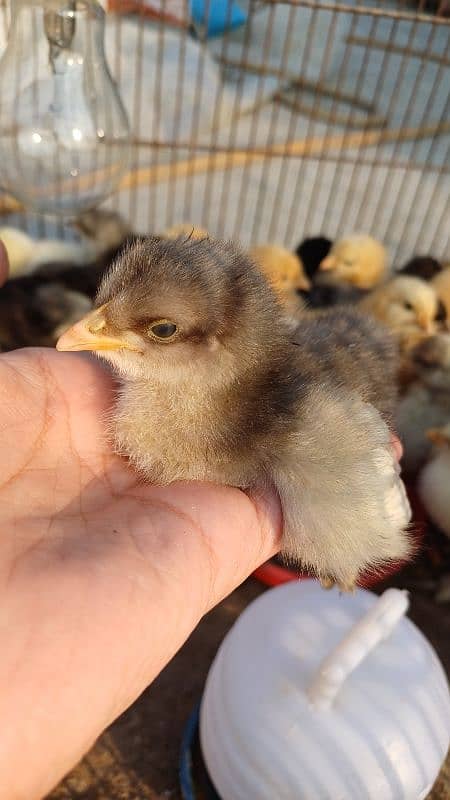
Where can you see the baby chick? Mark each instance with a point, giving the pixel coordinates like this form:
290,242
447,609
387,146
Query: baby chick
312,252
408,306
357,260
106,230
285,273
217,387
434,480
441,285
426,401
26,254
35,313
425,267
34,309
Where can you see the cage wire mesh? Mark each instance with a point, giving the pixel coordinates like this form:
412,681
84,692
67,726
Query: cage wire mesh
311,117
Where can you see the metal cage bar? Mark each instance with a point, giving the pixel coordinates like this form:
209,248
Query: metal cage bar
314,116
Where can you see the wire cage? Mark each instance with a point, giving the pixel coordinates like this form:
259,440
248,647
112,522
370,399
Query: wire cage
300,117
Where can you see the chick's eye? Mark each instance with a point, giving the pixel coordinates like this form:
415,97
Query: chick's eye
348,263
407,306
164,329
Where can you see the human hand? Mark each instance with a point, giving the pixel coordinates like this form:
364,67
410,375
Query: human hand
101,578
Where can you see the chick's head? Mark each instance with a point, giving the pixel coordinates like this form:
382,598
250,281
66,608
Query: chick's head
171,306
357,260
409,303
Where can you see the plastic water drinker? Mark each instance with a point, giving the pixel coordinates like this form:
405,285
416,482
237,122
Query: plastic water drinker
315,695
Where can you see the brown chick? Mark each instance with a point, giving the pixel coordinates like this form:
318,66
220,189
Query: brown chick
285,273
408,306
441,285
357,260
216,387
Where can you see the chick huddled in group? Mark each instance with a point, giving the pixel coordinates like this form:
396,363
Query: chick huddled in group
358,260
36,308
408,306
26,254
311,252
426,401
425,267
216,386
106,231
285,273
434,480
35,312
441,285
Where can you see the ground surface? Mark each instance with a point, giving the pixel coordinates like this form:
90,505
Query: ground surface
137,758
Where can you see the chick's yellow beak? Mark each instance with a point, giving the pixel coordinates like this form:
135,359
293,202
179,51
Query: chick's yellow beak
426,323
90,334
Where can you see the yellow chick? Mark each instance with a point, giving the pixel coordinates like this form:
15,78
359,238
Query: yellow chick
19,247
185,229
408,306
357,260
283,269
441,285
284,272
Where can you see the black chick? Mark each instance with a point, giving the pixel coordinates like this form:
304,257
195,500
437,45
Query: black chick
35,313
424,267
216,387
311,252
35,309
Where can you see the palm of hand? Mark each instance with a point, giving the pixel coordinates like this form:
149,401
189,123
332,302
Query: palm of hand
95,584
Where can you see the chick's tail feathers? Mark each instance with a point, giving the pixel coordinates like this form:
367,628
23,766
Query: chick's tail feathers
344,504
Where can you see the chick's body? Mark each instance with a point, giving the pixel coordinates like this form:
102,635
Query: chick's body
216,387
426,401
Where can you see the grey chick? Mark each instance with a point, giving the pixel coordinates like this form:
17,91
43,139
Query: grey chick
35,313
426,401
216,387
